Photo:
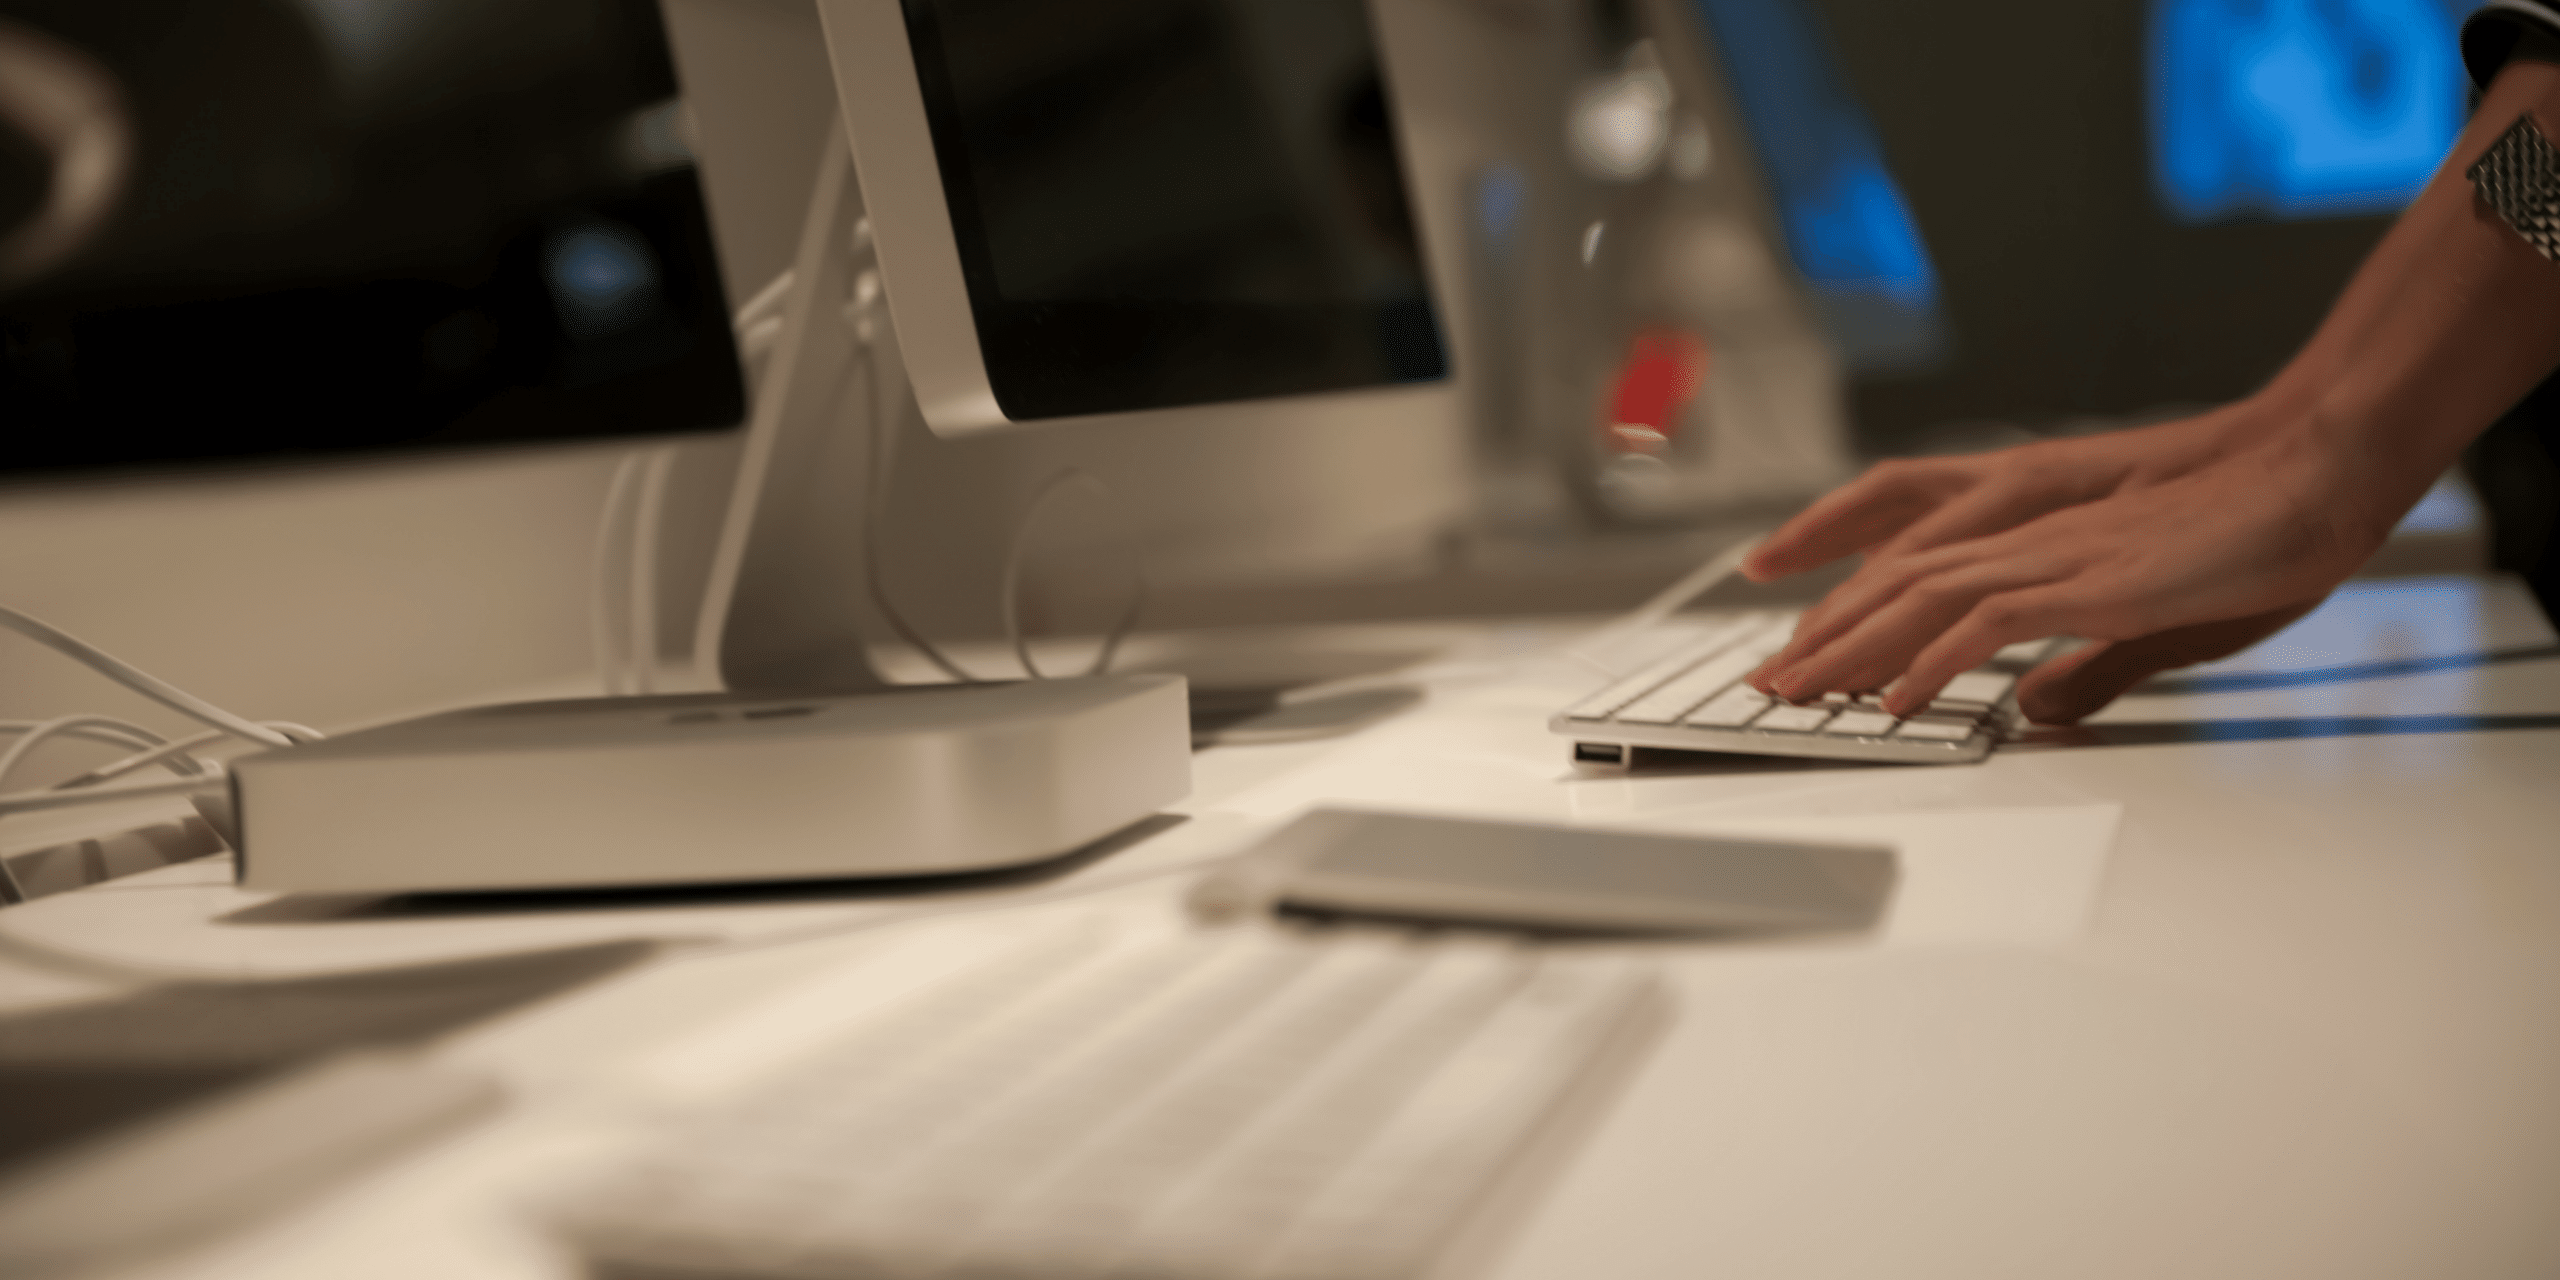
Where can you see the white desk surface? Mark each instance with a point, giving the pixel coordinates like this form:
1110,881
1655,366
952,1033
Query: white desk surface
2256,976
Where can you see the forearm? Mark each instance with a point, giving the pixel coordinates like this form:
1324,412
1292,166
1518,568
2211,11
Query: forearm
2450,321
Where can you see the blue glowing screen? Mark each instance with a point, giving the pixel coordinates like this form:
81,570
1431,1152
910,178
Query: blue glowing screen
1848,228
2300,108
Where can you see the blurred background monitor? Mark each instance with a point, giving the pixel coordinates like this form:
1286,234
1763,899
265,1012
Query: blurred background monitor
2127,207
277,229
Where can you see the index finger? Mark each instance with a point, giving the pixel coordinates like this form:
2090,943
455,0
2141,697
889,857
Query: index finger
1857,515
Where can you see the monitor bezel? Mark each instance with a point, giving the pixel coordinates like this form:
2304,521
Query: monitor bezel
925,268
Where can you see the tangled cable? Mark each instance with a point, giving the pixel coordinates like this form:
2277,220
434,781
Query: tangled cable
149,748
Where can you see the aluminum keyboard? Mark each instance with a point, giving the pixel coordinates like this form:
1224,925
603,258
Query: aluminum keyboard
1693,700
1242,1102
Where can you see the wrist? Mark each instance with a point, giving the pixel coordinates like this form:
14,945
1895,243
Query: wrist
2216,434
2371,466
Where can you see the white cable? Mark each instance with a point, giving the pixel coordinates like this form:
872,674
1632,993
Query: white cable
648,512
605,610
872,528
35,801
152,748
9,760
1009,599
758,325
109,728
123,673
884,455
172,754
766,304
132,737
623,605
33,738
59,726
756,342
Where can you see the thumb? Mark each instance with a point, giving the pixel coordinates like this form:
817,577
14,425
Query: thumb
2076,685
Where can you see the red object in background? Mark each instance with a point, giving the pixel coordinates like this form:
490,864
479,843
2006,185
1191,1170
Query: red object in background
1662,372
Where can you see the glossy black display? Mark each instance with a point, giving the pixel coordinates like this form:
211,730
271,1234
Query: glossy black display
1174,202
339,228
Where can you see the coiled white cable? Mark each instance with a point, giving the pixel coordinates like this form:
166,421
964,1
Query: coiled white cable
154,749
1010,590
122,733
606,613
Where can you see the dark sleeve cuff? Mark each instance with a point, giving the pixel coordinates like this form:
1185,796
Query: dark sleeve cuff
2504,29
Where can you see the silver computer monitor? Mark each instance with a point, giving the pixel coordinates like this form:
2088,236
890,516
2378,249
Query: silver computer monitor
1168,243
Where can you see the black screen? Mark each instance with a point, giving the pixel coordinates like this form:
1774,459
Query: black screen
325,228
1174,202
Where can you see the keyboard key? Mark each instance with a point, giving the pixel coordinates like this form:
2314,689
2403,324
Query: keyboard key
1732,710
1860,724
1193,1108
1793,719
1618,694
1670,702
1707,708
1985,687
1752,628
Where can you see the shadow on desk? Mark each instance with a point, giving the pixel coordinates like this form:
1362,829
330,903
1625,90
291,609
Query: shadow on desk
2155,733
2250,681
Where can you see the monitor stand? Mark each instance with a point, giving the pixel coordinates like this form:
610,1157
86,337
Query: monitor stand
784,608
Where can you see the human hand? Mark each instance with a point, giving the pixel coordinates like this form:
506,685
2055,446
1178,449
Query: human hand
2166,545
2069,688
1906,505
2190,540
